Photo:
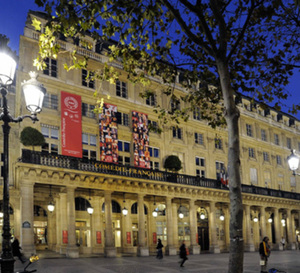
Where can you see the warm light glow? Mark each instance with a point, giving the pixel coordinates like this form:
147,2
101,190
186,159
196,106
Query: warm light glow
1,214
180,215
90,210
202,216
7,69
255,219
34,93
154,213
270,220
125,211
222,217
293,161
283,222
51,207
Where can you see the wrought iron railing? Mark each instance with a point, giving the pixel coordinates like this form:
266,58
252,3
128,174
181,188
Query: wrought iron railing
67,162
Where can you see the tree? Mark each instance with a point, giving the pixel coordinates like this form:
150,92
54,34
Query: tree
31,137
218,47
173,163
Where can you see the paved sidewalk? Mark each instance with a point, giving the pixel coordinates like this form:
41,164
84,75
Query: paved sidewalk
288,261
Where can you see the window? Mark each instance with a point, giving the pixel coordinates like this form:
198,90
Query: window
122,119
87,79
249,130
200,161
151,100
278,160
89,139
253,176
288,143
175,104
280,182
267,178
197,114
199,138
154,152
251,152
49,131
266,156
88,154
161,230
50,148
87,110
263,134
124,160
51,67
121,89
177,133
276,139
220,167
154,165
184,232
153,126
218,143
50,101
123,146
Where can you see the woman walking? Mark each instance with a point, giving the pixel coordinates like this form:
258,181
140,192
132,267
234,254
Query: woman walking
183,253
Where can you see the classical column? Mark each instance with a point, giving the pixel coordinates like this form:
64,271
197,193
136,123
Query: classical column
15,199
263,225
170,248
152,229
96,228
72,250
50,230
27,233
290,237
277,223
110,250
127,239
214,247
249,246
58,225
227,229
175,225
194,247
143,249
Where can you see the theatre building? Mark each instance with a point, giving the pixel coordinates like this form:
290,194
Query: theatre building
113,164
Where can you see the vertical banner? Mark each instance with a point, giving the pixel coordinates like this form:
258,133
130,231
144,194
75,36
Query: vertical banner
140,135
108,133
98,237
154,238
65,236
71,135
128,237
197,238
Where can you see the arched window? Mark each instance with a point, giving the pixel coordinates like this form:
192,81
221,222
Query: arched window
134,209
81,204
116,208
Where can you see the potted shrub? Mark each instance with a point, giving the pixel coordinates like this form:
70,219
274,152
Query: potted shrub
31,137
173,163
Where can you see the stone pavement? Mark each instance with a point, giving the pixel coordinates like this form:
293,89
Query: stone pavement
50,262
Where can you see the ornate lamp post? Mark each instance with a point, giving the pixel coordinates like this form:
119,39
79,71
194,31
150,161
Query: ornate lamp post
34,94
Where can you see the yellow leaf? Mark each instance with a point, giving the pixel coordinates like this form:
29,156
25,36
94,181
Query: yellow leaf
36,24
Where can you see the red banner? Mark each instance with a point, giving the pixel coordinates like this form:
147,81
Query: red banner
65,236
108,133
140,135
98,237
71,135
197,238
154,238
128,237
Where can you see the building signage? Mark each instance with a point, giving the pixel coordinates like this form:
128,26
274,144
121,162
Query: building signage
65,236
140,135
71,135
98,237
108,133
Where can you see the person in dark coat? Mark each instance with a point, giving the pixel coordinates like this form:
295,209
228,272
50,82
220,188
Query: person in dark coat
182,253
16,250
264,252
159,249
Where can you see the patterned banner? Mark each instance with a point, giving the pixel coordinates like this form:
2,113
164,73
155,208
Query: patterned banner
108,133
71,134
140,140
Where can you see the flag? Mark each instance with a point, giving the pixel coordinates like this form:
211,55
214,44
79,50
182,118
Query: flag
224,177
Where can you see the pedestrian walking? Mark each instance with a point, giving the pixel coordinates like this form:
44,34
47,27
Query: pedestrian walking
16,249
183,253
159,249
264,252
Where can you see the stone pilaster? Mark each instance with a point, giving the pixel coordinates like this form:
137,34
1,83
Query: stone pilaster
194,247
263,226
110,250
27,233
96,227
290,238
277,224
170,248
143,250
249,246
214,247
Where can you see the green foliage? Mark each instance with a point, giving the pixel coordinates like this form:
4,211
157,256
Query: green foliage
173,163
31,137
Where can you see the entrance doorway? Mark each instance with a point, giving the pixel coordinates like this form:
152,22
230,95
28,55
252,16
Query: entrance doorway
203,229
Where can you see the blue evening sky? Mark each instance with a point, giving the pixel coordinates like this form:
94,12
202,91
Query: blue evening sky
13,15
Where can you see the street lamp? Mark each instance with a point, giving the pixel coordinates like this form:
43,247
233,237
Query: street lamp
90,209
293,161
34,94
180,215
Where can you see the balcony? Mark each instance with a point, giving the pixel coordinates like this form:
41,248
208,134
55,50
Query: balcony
67,162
